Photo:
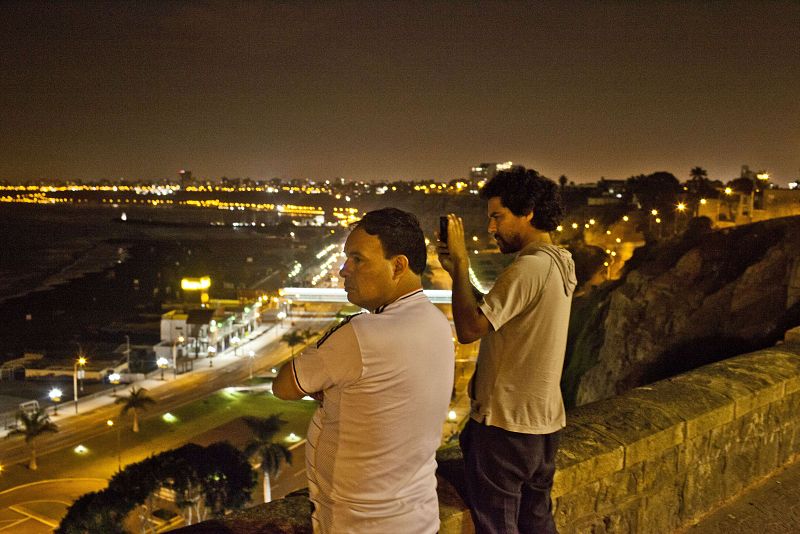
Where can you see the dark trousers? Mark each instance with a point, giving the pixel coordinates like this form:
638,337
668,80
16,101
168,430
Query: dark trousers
509,476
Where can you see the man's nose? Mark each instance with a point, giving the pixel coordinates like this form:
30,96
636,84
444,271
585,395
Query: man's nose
343,271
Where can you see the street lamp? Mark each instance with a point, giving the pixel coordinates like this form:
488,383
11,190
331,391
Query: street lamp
80,361
114,378
163,363
680,208
180,340
128,353
55,398
235,340
110,423
212,351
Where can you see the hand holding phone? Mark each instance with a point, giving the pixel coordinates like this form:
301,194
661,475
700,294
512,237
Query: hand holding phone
443,222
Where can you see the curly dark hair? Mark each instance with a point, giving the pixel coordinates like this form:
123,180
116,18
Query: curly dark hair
399,233
523,191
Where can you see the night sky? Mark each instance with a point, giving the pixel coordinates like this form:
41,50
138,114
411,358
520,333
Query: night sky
381,90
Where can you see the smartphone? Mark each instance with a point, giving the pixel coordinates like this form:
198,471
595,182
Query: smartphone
443,220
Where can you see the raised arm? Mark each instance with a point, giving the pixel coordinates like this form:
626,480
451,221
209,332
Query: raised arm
470,322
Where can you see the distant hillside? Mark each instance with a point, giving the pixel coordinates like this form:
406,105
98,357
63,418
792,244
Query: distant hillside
684,303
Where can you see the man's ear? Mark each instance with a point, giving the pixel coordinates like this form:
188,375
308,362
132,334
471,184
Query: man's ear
529,217
399,265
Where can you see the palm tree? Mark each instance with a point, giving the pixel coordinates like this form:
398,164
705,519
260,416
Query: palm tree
698,187
293,338
137,400
269,454
34,424
698,173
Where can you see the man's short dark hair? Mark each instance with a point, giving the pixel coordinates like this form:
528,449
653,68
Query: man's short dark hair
399,233
523,191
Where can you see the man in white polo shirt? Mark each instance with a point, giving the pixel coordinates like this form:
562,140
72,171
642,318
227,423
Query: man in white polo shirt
385,378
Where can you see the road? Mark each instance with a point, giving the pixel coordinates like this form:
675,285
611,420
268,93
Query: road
168,395
30,508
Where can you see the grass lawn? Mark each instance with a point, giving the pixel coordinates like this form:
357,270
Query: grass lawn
156,434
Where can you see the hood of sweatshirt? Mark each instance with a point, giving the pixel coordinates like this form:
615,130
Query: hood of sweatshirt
563,260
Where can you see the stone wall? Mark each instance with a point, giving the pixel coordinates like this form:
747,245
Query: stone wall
649,461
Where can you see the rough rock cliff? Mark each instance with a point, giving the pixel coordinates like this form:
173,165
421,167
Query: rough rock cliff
684,303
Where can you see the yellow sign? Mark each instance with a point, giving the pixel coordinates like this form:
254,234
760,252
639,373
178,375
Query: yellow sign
195,284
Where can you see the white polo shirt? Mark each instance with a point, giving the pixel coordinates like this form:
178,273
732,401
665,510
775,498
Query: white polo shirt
387,379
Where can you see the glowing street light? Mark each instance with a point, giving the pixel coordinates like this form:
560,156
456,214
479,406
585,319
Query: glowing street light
55,398
110,423
81,361
114,378
175,343
163,363
681,207
728,191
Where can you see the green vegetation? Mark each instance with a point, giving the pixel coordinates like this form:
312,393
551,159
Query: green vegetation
34,424
190,422
269,454
136,401
206,481
297,337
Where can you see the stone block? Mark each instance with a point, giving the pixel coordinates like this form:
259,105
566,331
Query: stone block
623,520
703,488
619,488
748,388
645,430
584,456
661,511
700,408
738,473
568,508
759,437
708,448
662,470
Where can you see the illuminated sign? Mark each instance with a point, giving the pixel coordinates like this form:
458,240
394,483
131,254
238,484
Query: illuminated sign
195,284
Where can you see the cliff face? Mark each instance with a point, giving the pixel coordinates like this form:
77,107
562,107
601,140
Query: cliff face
682,304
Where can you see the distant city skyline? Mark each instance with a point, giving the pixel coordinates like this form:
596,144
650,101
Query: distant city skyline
398,91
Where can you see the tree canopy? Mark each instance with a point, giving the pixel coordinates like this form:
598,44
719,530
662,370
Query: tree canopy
655,191
136,401
206,480
34,424
264,450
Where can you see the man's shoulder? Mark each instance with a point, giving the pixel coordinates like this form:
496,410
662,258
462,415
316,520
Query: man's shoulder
335,328
528,263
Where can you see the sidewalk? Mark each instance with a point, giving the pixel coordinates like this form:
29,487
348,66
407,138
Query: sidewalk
772,507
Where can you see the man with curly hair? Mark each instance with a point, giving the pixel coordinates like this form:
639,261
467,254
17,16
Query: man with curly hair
511,438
